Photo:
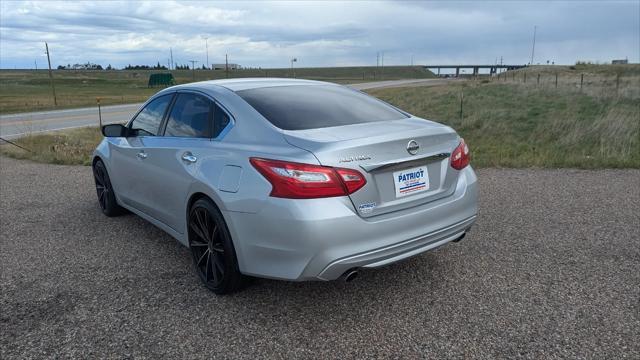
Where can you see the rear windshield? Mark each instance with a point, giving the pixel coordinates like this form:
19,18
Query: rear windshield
301,107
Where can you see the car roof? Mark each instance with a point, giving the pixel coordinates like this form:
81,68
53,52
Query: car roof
249,83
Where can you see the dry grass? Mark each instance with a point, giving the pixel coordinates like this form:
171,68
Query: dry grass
523,125
67,147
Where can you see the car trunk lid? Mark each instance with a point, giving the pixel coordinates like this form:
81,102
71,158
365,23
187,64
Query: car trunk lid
399,175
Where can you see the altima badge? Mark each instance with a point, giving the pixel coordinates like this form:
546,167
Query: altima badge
355,158
413,147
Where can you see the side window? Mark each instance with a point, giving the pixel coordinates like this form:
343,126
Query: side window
191,116
221,121
147,122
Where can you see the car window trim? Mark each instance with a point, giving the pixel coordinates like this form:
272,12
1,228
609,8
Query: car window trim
144,106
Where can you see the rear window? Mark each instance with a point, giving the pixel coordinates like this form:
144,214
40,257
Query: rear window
301,107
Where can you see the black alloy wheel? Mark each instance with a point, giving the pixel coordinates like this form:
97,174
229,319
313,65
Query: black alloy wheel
212,249
104,190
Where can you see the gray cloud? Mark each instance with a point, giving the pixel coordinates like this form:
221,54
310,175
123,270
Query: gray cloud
320,33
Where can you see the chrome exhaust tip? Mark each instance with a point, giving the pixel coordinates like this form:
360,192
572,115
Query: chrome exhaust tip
460,238
350,275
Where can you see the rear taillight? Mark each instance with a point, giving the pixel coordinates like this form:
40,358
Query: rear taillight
305,181
460,156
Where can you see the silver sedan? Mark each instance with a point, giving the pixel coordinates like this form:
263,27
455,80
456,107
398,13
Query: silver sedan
286,179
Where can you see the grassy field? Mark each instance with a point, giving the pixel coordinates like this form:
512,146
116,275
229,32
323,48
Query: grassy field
29,90
507,123
523,125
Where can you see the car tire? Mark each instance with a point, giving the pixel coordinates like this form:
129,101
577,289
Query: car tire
106,195
212,250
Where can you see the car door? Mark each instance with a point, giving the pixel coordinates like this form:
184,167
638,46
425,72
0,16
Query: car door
129,154
175,158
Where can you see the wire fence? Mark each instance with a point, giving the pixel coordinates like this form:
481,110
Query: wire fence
596,85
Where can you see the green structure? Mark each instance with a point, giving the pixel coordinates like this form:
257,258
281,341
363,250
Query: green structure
161,79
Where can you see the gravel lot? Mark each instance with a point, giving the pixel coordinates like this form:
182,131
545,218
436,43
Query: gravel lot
552,269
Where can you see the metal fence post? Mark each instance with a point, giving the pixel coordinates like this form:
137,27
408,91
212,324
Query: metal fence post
581,80
461,102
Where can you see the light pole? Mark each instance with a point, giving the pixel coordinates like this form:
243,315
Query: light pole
206,45
193,68
292,61
533,47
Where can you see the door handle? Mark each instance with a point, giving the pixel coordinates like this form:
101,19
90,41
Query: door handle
189,157
142,155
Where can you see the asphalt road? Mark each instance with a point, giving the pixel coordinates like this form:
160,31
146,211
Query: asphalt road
16,125
550,270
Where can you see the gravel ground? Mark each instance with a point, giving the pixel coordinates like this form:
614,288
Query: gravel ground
552,269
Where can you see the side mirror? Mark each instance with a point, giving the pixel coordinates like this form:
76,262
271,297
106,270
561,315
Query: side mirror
114,130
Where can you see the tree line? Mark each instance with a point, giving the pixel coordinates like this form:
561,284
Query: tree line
92,66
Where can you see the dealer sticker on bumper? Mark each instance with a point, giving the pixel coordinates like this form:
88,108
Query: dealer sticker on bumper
411,181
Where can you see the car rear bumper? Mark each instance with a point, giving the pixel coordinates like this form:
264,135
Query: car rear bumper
396,252
320,239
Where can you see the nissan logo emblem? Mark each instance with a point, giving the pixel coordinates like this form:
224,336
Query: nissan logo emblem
413,147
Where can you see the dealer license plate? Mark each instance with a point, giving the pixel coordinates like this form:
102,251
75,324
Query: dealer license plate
411,181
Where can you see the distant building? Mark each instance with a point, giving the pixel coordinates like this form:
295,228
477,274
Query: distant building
224,66
619,62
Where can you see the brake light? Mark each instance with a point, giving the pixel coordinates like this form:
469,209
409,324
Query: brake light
460,157
305,181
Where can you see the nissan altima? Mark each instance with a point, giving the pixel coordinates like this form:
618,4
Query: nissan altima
286,179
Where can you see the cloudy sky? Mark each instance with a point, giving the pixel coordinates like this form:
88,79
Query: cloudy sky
321,33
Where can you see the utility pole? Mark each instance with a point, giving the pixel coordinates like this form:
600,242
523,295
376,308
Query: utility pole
226,64
206,44
36,62
411,59
171,57
53,89
533,48
193,68
378,59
